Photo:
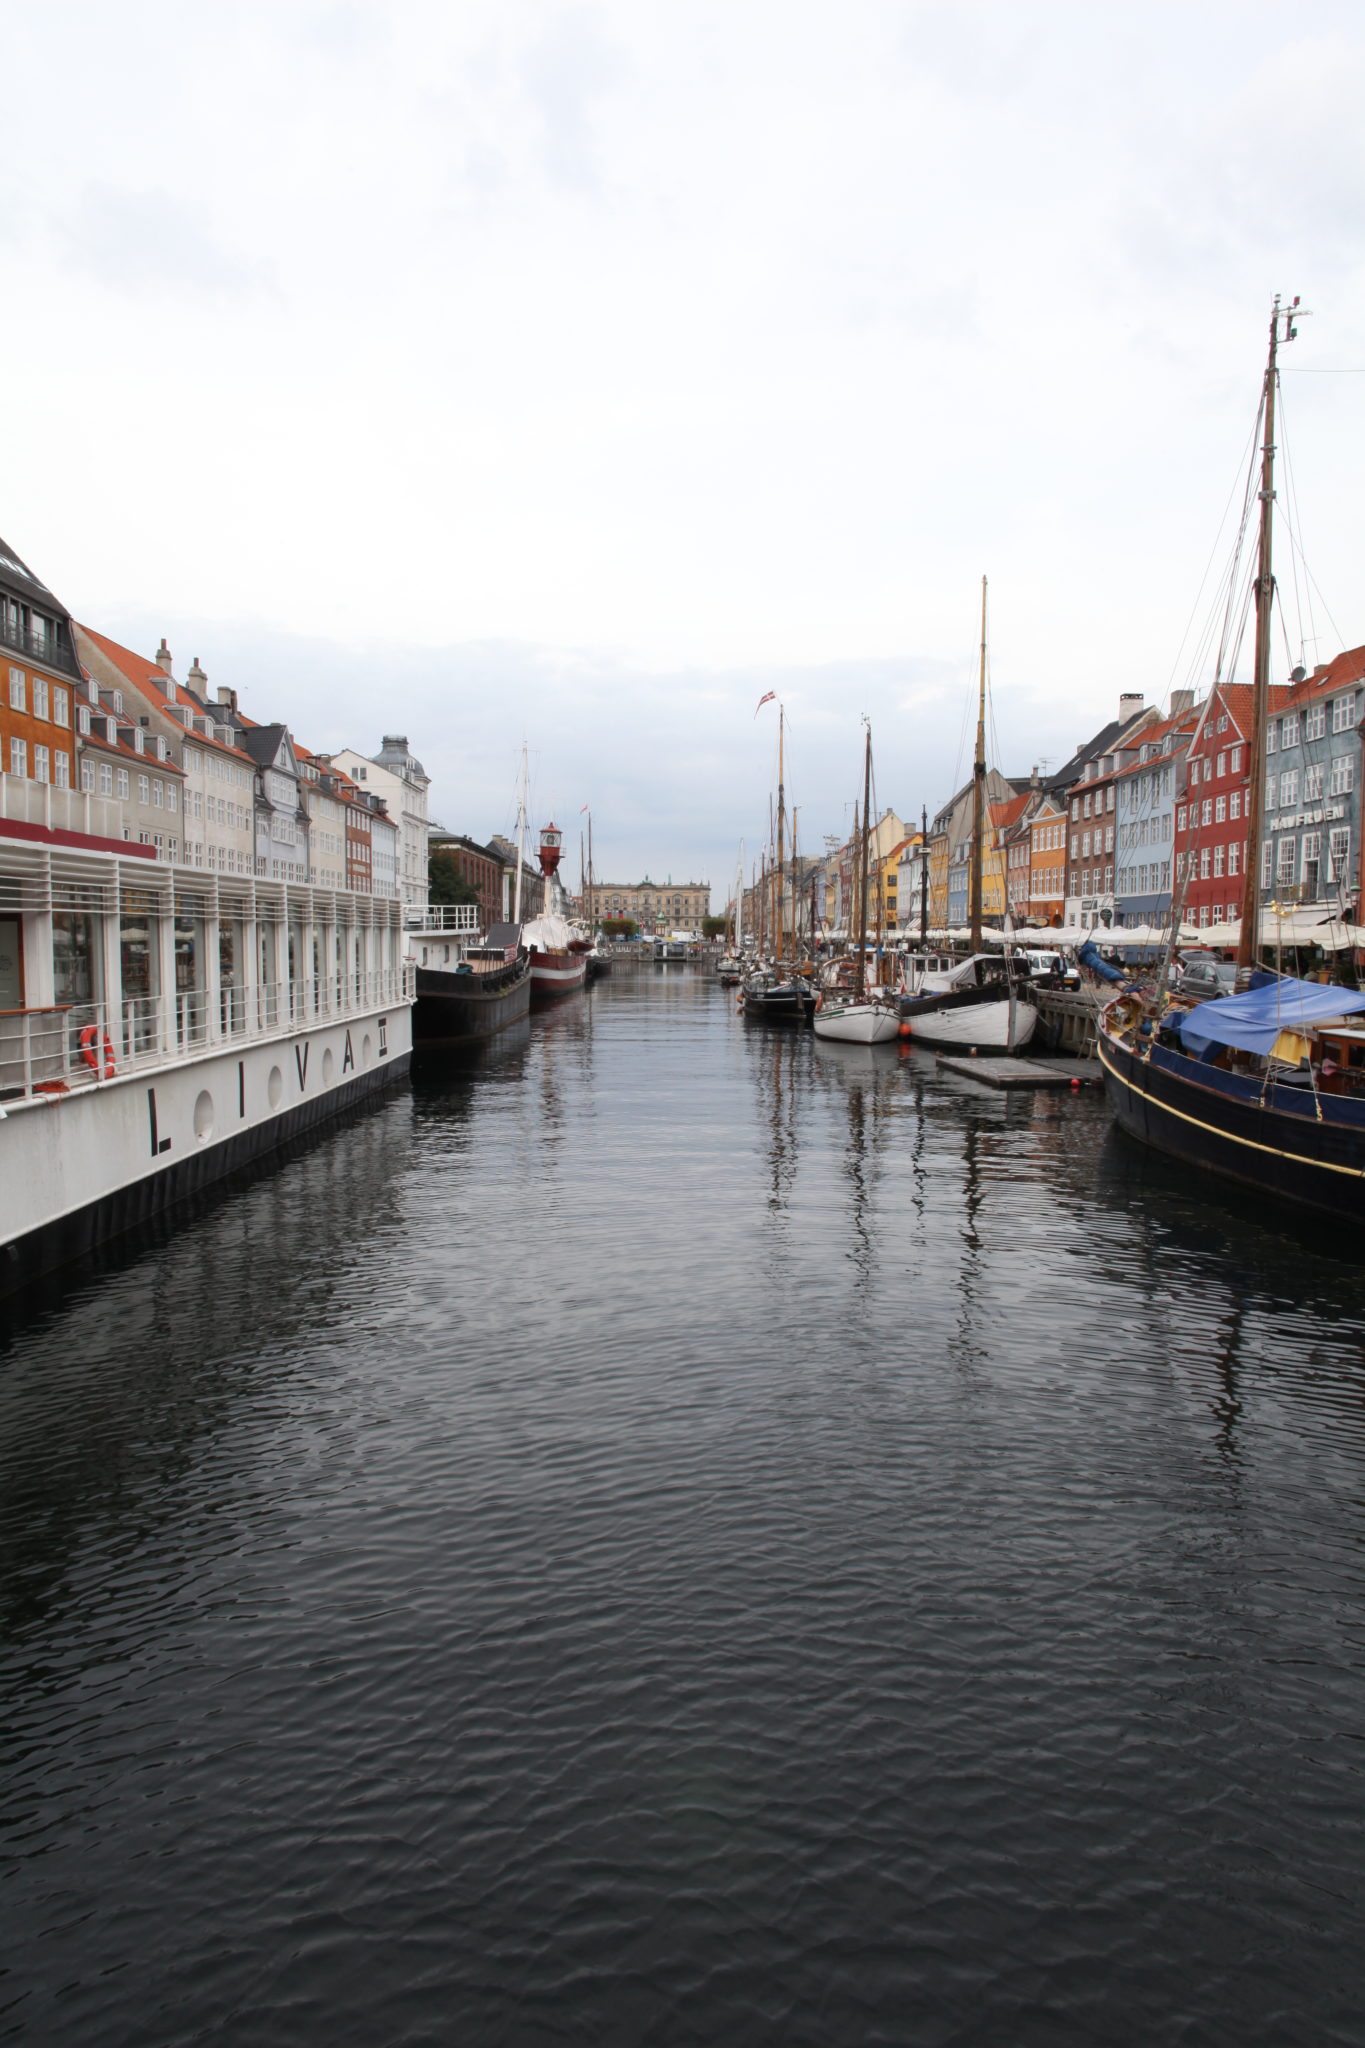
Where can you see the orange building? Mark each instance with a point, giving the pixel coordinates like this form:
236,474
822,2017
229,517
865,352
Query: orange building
1047,863
38,722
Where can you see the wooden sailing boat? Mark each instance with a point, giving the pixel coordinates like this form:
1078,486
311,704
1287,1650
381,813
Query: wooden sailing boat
777,993
976,1006
855,1015
1258,1086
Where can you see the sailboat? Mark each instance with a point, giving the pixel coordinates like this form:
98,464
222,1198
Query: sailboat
776,993
978,1004
1259,1086
853,1015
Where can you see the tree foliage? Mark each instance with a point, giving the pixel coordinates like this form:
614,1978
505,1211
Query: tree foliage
620,928
445,883
714,927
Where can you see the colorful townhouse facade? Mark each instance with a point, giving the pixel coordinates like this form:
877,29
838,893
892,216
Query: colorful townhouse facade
1047,862
1311,845
1148,784
1211,847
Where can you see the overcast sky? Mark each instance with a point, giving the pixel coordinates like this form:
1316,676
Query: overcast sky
578,373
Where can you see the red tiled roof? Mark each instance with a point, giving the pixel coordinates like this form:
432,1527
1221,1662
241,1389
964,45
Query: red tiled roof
1236,700
1343,668
1008,813
150,679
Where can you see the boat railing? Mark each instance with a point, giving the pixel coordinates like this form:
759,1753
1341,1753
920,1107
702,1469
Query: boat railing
444,917
63,1047
63,810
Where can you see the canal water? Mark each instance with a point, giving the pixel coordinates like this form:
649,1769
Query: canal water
679,1533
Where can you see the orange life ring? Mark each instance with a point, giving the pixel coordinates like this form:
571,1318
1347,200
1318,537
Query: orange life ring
95,1046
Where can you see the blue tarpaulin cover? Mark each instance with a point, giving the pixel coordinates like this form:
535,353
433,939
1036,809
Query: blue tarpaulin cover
1252,1022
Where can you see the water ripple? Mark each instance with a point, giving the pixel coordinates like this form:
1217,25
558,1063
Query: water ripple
671,1535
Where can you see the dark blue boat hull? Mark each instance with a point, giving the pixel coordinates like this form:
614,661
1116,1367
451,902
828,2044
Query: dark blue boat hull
1284,1142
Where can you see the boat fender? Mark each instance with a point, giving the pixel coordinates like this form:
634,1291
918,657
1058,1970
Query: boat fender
95,1047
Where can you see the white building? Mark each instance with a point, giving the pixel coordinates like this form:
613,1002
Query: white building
397,776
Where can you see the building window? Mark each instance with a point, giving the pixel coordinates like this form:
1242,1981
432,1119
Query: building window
18,757
1235,804
1343,775
1343,711
1289,729
61,705
40,764
106,779
17,698
1222,767
1338,851
88,775
1270,732
40,696
1267,862
1272,784
123,787
158,798
1284,873
1289,789
61,770
1206,811
1315,721
1203,863
144,789
1310,863
1312,783
1180,817
1235,761
1218,862
1234,858
1220,809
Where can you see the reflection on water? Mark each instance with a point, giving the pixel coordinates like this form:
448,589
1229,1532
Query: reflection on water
673,1530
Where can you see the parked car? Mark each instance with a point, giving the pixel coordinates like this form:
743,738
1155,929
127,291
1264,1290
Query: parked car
1202,980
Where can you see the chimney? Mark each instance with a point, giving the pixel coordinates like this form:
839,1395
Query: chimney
226,696
196,678
1181,702
163,656
1130,703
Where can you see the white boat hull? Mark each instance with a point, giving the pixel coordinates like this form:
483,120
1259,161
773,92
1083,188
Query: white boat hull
82,1167
995,1026
857,1024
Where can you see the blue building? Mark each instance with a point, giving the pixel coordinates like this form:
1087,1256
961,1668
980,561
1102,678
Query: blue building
1148,783
1311,848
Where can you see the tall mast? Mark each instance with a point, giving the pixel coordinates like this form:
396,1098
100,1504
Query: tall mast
860,971
781,835
1248,944
924,879
592,894
739,903
979,789
521,838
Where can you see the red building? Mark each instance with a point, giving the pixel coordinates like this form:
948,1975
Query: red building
1210,821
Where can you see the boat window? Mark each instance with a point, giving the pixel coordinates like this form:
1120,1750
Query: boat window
75,958
11,965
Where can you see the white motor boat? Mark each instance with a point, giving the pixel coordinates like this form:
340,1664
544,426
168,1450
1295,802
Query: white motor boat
870,1022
